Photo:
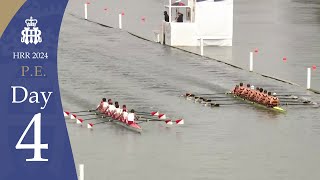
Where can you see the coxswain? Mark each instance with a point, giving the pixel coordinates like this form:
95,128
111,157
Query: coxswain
131,117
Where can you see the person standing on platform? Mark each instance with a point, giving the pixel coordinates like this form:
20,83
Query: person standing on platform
166,16
180,17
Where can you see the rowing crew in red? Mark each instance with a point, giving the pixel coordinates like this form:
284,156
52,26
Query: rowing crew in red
116,112
257,95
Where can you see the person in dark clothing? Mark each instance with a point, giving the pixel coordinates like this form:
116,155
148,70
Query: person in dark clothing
180,17
166,16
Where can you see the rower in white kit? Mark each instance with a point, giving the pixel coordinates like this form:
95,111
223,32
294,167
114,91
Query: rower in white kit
131,117
124,113
110,109
103,105
117,112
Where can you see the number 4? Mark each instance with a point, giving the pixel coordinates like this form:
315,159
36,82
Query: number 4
37,146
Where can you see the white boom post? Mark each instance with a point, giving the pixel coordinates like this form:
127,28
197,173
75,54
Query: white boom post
251,61
309,79
120,21
85,11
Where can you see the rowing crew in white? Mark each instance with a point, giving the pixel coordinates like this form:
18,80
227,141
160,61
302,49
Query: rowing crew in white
116,112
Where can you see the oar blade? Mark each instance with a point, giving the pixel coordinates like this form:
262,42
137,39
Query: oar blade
73,116
162,116
79,121
169,122
155,113
66,113
180,121
89,125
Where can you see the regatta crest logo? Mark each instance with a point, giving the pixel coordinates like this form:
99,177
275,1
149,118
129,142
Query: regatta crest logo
31,34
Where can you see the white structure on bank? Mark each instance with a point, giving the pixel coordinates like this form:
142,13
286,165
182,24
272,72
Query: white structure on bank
204,20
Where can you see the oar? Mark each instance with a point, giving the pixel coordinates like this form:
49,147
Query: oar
154,113
169,121
205,94
304,102
89,110
90,125
80,121
74,116
292,104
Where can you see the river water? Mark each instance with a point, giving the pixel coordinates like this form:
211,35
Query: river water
278,28
236,141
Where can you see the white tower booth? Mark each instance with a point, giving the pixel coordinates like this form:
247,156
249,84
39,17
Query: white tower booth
209,20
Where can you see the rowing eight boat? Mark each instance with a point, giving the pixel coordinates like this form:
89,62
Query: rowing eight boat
133,127
276,108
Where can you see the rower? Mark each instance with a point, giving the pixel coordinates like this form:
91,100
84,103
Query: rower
267,100
110,109
259,94
241,88
235,89
264,96
124,113
245,92
251,90
104,106
253,94
117,111
274,101
100,105
131,117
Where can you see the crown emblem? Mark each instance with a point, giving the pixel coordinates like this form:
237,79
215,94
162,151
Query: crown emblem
31,34
31,22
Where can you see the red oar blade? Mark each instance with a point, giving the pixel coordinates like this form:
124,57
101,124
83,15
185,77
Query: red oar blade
79,121
73,116
155,113
180,121
89,125
162,116
66,114
169,122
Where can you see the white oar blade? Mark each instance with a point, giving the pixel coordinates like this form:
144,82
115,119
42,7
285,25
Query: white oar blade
73,116
79,121
66,114
89,125
162,116
169,122
155,113
180,121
